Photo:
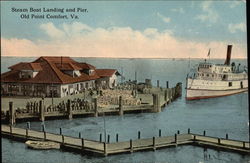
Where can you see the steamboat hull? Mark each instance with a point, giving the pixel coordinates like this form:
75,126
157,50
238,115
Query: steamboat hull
195,94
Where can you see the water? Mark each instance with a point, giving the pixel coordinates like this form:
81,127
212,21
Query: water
217,116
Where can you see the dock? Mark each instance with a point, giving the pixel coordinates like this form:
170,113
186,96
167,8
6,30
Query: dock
100,148
151,100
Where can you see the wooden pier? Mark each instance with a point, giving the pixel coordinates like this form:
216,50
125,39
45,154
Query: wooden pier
98,148
153,101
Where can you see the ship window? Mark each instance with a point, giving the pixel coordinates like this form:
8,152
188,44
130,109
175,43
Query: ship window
230,84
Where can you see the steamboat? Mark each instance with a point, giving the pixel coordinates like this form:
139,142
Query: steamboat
215,80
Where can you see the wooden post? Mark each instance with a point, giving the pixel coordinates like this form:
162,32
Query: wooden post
43,127
60,131
108,138
28,125
44,133
139,135
166,95
218,140
159,132
154,143
27,133
158,83
156,103
69,109
178,132
175,138
120,106
204,133
63,139
117,137
11,129
194,137
166,84
79,134
100,137
82,143
95,107
226,136
244,144
12,118
41,110
131,146
105,148
188,130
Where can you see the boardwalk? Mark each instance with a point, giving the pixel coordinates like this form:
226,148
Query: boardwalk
85,146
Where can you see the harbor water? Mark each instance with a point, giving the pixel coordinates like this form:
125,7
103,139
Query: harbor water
218,116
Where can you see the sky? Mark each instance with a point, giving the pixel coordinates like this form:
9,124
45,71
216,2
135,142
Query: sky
125,29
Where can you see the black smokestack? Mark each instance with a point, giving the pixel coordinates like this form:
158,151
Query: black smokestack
229,49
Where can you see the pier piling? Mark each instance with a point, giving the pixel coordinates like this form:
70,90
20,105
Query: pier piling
175,138
226,136
108,138
82,143
100,138
204,133
27,133
188,130
69,109
117,137
80,135
12,119
158,83
41,110
95,107
28,125
60,131
178,132
154,143
159,132
63,139
120,106
139,135
166,84
131,146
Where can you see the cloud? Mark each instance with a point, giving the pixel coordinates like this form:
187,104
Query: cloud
209,15
179,10
165,19
80,40
233,28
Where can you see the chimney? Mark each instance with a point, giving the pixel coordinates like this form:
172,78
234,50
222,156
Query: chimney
229,49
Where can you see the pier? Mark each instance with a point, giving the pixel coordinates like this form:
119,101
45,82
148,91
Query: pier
152,99
99,148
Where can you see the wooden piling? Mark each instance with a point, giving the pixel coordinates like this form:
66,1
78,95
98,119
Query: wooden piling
82,143
28,125
12,118
219,141
166,84
131,146
44,134
154,143
120,106
108,138
60,131
204,133
95,107
63,139
80,135
159,132
226,136
27,133
158,83
156,103
175,138
188,130
41,110
105,148
117,137
69,109
100,138
178,132
139,135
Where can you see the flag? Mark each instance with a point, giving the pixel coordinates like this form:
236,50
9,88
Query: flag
208,54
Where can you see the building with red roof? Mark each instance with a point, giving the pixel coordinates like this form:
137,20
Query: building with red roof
55,76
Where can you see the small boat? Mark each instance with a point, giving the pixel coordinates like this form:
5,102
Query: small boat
216,80
42,144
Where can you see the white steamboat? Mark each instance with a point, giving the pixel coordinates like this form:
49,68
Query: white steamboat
216,80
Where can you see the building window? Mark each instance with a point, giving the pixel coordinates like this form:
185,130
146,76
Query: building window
230,84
